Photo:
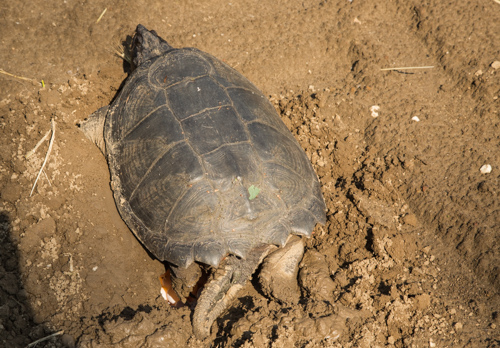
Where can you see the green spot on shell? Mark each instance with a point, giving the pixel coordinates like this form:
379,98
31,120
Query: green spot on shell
253,191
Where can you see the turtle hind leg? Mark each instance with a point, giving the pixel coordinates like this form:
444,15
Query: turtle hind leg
93,128
228,279
278,276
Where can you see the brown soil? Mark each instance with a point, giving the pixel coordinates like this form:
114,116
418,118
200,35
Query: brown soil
412,237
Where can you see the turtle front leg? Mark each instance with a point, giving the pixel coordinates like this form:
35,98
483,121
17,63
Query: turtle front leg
228,279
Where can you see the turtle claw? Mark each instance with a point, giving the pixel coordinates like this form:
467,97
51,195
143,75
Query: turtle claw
228,279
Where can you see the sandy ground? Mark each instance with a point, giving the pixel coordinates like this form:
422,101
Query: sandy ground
411,245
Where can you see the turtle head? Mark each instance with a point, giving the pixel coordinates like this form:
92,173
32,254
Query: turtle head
147,44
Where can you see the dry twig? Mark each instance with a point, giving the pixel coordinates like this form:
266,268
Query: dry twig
409,68
32,344
19,77
53,123
102,14
32,152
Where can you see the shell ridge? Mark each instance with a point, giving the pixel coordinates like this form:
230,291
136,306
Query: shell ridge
151,167
139,122
226,145
205,110
186,79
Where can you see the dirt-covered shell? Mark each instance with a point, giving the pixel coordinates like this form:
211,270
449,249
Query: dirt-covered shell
202,165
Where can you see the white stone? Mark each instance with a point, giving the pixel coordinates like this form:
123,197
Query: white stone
374,110
485,169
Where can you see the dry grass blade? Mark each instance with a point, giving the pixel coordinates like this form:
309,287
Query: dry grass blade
47,155
123,53
47,177
19,77
45,137
102,14
409,68
32,344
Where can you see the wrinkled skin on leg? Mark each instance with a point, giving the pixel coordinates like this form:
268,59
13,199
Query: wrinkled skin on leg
185,279
228,279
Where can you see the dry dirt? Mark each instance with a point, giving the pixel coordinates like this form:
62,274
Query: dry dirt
412,238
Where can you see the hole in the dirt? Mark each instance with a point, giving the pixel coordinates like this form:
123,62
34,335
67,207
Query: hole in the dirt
285,310
358,183
274,333
341,183
302,301
247,335
127,313
369,240
345,265
384,288
350,283
353,281
255,281
354,65
145,308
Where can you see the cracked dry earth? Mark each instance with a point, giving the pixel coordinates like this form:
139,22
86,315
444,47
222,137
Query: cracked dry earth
410,250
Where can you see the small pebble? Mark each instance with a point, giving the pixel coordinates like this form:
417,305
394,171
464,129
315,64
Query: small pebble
485,169
432,344
415,118
374,110
496,64
458,326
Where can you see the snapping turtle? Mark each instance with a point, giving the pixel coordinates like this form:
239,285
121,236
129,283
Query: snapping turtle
203,170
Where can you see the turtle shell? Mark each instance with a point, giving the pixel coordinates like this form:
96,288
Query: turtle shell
201,164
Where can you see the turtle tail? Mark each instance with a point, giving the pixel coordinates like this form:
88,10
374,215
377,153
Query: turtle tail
93,128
